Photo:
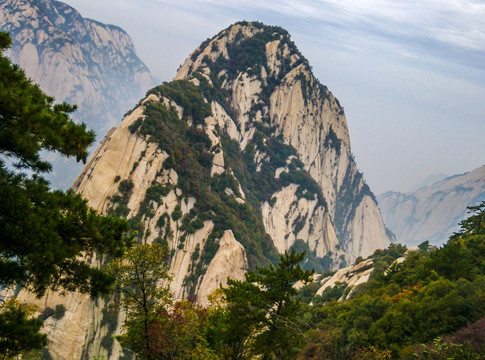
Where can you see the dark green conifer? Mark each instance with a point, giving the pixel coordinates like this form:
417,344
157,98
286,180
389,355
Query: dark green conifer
46,235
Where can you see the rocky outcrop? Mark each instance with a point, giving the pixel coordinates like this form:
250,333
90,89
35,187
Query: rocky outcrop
242,157
350,277
77,60
229,262
77,326
433,212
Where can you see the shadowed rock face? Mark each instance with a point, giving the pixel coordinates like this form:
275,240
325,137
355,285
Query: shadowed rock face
433,212
243,156
76,60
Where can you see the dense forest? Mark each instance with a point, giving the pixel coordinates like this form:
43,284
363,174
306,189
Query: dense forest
434,297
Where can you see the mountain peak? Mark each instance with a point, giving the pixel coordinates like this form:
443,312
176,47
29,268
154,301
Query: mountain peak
76,60
246,47
244,156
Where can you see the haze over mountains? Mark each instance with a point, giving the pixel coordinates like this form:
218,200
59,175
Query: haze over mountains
433,212
76,60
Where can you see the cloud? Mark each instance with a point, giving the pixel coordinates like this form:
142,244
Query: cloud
428,26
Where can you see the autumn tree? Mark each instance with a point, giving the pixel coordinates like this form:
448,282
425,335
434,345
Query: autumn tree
179,331
141,279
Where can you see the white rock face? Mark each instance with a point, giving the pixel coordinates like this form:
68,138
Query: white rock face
76,60
281,219
352,276
309,118
229,262
83,318
433,212
125,156
337,219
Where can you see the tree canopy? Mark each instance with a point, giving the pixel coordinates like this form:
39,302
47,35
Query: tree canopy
424,299
45,234
260,318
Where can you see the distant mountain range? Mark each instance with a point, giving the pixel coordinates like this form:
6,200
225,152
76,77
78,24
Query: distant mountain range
77,60
432,212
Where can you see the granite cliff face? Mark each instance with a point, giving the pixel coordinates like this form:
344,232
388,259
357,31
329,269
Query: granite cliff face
76,60
433,212
243,156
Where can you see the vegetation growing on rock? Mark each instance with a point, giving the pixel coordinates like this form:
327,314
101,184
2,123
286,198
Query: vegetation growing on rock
431,305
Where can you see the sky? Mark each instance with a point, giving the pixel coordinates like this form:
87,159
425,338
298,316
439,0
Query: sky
410,73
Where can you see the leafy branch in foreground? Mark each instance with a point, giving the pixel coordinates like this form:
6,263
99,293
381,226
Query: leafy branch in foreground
45,235
141,279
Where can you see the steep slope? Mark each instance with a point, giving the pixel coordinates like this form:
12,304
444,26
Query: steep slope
433,212
243,156
274,96
76,60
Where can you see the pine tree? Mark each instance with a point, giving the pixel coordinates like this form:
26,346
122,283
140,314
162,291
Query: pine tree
261,312
44,233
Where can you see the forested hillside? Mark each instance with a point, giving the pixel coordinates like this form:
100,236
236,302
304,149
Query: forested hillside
428,305
239,168
434,297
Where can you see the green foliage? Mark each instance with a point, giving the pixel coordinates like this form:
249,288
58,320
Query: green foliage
125,187
307,292
372,353
261,313
442,350
177,213
332,140
312,262
331,293
161,220
475,224
248,54
185,94
19,329
433,293
135,126
46,233
153,193
30,122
